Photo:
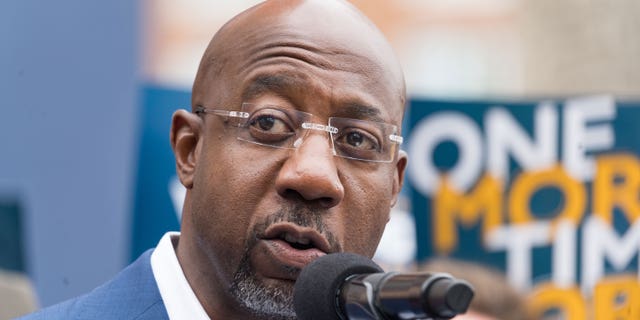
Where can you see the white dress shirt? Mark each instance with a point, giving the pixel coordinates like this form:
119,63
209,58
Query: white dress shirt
178,297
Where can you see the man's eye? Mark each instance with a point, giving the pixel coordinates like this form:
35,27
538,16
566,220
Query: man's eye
270,124
359,140
271,129
266,123
355,139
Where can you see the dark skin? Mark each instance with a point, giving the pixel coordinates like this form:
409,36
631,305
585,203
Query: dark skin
321,57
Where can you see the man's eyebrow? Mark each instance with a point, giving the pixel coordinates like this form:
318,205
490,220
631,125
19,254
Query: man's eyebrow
281,83
359,111
276,83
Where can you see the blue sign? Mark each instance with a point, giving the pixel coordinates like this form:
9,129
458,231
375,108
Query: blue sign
546,190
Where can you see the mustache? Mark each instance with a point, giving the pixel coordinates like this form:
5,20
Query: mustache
300,215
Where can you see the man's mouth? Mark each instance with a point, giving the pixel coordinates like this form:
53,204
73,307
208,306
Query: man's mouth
299,238
296,242
285,248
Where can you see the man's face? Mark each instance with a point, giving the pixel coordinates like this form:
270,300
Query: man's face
259,214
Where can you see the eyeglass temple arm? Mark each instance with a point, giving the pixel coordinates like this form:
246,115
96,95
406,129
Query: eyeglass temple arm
226,113
395,138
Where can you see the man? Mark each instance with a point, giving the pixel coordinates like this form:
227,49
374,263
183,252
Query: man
290,151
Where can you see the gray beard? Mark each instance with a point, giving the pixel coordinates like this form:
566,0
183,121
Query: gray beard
262,301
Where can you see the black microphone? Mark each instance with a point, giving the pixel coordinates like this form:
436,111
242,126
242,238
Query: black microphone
349,286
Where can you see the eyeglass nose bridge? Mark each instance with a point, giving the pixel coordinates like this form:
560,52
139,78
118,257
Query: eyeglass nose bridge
317,127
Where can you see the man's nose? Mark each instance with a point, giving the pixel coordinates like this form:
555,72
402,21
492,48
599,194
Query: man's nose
310,173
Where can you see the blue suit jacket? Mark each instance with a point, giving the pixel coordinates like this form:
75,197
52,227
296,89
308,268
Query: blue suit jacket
132,294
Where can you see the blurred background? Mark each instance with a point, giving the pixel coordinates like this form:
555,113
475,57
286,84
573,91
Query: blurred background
87,181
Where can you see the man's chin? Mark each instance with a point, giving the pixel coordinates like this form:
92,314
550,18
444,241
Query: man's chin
267,298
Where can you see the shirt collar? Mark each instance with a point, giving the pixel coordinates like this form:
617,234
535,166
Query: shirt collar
178,297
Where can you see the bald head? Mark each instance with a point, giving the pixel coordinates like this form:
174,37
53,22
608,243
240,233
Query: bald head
331,35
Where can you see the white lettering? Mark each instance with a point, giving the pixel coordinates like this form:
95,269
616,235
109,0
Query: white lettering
600,242
579,138
564,254
506,136
428,134
518,241
177,192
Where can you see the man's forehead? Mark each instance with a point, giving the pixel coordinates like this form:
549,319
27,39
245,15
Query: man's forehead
330,25
353,105
327,34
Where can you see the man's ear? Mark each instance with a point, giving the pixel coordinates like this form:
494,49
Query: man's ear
186,130
398,178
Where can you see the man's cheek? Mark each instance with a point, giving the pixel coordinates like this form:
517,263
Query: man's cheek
364,239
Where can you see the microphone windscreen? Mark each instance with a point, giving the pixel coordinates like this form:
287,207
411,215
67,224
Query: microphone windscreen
315,291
